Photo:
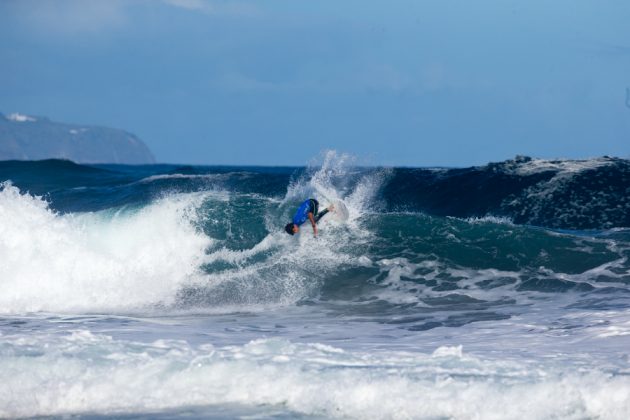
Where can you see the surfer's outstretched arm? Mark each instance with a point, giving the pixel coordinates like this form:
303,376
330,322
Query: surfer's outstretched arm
313,222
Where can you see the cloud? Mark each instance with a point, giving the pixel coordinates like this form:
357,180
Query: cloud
84,17
235,8
69,17
200,5
331,79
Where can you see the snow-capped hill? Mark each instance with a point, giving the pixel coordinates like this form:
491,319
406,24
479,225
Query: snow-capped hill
16,117
24,137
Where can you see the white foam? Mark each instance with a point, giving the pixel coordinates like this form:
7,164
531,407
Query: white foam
95,261
449,351
92,373
500,220
277,270
537,198
566,167
336,179
330,181
184,176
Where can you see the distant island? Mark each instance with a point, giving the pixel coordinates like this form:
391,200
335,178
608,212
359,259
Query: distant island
24,137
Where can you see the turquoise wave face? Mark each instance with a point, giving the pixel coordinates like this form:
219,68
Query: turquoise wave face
406,269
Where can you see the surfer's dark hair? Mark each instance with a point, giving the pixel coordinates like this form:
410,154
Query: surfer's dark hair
289,228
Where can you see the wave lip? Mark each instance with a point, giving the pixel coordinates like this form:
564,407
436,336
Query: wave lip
103,261
562,194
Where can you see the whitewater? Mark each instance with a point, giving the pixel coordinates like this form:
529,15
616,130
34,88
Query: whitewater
172,291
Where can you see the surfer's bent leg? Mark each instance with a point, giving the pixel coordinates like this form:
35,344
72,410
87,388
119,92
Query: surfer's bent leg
320,215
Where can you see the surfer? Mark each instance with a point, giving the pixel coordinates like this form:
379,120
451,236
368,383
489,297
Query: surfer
307,210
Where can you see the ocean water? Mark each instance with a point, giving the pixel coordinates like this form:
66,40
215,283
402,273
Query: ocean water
165,291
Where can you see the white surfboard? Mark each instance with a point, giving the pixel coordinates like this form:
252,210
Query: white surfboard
340,212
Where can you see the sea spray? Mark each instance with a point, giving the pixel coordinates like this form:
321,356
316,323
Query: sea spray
278,269
106,261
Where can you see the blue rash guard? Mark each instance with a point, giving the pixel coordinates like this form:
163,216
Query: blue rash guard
301,215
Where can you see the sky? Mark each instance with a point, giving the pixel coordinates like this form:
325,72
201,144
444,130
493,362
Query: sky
270,82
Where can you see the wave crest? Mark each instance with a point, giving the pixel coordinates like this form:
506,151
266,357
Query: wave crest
95,261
